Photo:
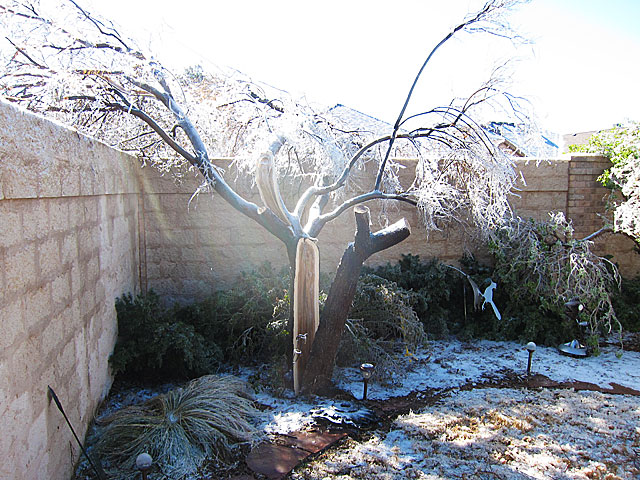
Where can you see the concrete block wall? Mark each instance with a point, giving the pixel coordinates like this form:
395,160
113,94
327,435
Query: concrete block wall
570,185
68,247
586,198
542,187
199,246
196,246
587,202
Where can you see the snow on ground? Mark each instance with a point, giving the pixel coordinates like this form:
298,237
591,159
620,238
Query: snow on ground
497,434
488,433
478,433
453,363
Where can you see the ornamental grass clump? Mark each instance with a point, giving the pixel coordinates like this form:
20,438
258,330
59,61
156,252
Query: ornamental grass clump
210,418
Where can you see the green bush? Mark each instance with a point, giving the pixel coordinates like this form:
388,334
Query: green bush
437,295
382,327
627,304
393,308
443,299
245,324
544,267
249,321
152,344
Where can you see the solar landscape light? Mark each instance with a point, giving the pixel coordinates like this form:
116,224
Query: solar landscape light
143,463
531,347
366,370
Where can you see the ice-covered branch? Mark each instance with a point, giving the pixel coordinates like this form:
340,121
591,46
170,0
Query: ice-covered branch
315,225
486,14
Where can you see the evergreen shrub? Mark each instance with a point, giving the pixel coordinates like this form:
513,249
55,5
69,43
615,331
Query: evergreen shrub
245,324
381,328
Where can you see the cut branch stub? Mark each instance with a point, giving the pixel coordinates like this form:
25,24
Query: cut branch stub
306,306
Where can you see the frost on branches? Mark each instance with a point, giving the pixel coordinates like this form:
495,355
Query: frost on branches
68,65
64,63
542,259
626,174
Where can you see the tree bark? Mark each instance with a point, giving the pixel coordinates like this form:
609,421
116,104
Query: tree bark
319,370
305,307
291,254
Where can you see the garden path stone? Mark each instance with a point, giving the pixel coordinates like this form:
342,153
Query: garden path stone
277,458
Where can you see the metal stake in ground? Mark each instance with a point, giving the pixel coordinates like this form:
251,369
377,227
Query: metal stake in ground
95,465
531,347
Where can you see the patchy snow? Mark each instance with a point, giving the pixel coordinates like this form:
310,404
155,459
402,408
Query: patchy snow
498,434
481,433
451,363
284,415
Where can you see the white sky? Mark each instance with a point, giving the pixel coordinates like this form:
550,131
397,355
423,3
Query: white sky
581,72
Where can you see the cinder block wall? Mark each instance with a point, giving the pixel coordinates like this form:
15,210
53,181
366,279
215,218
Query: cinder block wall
68,247
586,198
570,185
543,186
194,248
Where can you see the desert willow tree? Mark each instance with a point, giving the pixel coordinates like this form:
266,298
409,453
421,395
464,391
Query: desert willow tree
65,63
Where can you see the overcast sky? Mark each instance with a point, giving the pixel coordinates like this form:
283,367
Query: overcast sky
581,72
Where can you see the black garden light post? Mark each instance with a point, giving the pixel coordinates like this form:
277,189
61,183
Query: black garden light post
366,370
531,347
143,462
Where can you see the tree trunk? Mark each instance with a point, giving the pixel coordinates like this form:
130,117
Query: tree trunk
319,370
306,304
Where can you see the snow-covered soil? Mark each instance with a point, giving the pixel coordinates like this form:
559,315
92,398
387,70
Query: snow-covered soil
497,434
447,364
487,432
465,426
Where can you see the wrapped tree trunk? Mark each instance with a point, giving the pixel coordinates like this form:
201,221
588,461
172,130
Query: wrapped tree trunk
319,369
306,306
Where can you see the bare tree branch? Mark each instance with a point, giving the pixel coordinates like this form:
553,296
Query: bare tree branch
488,8
113,34
26,55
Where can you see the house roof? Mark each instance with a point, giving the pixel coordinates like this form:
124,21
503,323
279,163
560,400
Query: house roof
360,121
512,138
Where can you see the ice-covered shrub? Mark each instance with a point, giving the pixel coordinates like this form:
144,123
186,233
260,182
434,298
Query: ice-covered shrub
208,419
543,265
382,327
436,291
